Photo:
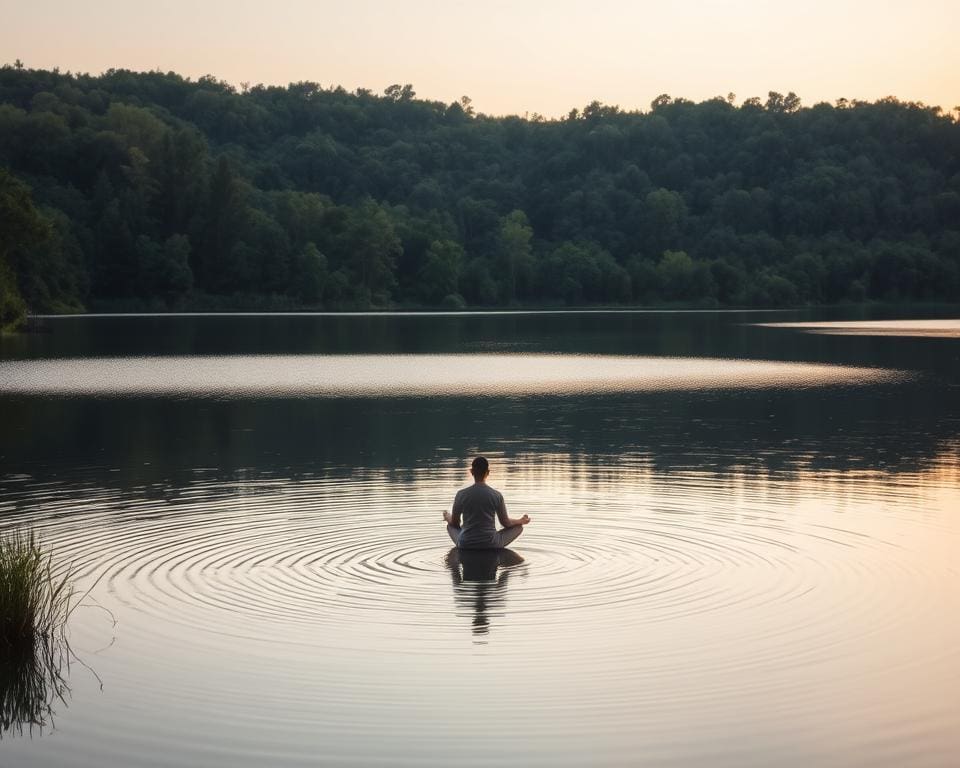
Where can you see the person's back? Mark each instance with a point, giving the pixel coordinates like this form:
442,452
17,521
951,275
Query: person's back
479,504
472,521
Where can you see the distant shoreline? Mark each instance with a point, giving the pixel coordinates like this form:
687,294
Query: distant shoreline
476,311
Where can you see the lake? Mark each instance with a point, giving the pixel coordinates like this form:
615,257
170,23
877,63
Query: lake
742,549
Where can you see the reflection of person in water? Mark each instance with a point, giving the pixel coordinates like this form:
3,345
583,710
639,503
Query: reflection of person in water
477,587
471,522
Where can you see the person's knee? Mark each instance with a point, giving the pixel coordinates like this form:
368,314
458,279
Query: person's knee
509,535
454,533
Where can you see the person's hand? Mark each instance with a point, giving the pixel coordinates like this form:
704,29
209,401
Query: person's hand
525,519
446,516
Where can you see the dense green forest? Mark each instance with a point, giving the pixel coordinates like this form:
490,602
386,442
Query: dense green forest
153,191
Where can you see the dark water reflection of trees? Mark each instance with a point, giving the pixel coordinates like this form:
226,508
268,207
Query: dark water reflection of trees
33,682
889,427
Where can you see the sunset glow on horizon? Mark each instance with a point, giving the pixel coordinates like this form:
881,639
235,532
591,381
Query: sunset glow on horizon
516,58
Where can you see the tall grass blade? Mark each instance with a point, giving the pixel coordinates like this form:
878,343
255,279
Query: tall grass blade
35,602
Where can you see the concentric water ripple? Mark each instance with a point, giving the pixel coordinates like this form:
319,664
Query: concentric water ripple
320,551
674,585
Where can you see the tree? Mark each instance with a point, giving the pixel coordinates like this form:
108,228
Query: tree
371,248
309,275
13,309
54,278
729,281
791,102
736,209
514,255
478,224
397,92
181,172
227,216
664,215
476,283
644,279
22,229
661,101
138,127
117,270
164,268
683,279
773,290
440,275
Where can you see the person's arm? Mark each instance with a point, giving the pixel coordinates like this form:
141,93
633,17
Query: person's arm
505,520
453,517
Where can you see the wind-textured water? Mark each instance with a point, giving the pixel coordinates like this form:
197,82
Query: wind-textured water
743,547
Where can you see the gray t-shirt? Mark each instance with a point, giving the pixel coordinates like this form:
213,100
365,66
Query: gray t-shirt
478,506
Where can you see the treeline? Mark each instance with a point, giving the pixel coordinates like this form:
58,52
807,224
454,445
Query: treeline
152,191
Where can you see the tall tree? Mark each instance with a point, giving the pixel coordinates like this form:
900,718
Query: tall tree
22,229
440,274
227,216
514,255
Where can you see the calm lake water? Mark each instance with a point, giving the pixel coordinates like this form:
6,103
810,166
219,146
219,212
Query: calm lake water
744,547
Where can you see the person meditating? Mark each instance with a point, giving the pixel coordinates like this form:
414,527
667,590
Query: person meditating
478,506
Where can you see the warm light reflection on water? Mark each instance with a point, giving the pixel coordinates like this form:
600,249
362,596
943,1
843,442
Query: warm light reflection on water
678,613
921,328
387,375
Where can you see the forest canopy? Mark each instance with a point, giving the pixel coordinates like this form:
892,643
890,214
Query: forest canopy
153,191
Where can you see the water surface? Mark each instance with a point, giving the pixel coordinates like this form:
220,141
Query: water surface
742,549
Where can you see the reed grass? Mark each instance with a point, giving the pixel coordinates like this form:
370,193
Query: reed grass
35,603
35,599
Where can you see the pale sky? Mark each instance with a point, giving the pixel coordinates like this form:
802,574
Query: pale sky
518,57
